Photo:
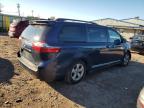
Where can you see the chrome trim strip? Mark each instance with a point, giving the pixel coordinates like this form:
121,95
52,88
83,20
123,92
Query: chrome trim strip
99,65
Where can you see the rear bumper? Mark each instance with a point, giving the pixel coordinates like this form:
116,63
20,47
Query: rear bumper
28,64
49,71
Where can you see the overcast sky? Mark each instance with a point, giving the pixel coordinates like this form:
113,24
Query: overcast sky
77,9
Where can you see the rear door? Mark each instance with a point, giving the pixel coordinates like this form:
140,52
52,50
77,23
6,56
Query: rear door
115,45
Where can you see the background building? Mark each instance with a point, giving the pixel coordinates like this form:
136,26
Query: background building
126,27
135,20
5,21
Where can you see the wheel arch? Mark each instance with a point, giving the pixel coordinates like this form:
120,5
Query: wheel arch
128,51
86,63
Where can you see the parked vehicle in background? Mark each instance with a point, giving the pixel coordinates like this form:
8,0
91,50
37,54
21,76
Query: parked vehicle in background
140,101
137,43
17,27
67,48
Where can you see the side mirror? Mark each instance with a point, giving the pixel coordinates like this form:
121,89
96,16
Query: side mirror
123,40
117,42
130,38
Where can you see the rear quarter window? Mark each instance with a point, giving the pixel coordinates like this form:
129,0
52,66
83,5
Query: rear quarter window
72,33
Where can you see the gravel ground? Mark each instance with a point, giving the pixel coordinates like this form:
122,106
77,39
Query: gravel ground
114,87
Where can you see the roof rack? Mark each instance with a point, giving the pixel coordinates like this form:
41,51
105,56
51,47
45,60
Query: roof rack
73,20
61,20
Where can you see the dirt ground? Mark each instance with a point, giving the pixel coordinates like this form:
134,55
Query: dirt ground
115,87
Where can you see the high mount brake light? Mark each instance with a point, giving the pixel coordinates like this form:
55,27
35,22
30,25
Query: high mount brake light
42,47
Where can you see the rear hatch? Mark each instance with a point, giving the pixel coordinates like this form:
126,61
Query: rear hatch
33,42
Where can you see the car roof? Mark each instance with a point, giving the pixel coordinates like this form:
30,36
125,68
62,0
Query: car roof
66,21
62,20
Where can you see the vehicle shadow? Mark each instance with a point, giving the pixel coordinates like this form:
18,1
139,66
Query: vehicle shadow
114,87
6,70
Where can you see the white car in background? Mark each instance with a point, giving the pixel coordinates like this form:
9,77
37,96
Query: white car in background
140,101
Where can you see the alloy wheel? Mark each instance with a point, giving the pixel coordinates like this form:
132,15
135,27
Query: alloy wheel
77,72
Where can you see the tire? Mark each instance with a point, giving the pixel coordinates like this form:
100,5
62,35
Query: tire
126,59
76,72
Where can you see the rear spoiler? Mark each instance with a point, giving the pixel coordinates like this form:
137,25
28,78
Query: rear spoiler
40,22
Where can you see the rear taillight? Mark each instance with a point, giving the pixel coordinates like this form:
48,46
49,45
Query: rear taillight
42,47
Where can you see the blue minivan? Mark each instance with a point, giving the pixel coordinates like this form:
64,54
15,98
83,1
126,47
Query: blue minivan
68,48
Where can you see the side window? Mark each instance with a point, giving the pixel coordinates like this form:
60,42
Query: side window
97,34
72,34
113,35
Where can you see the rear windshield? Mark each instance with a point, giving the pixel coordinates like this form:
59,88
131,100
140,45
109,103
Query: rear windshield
72,34
35,32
